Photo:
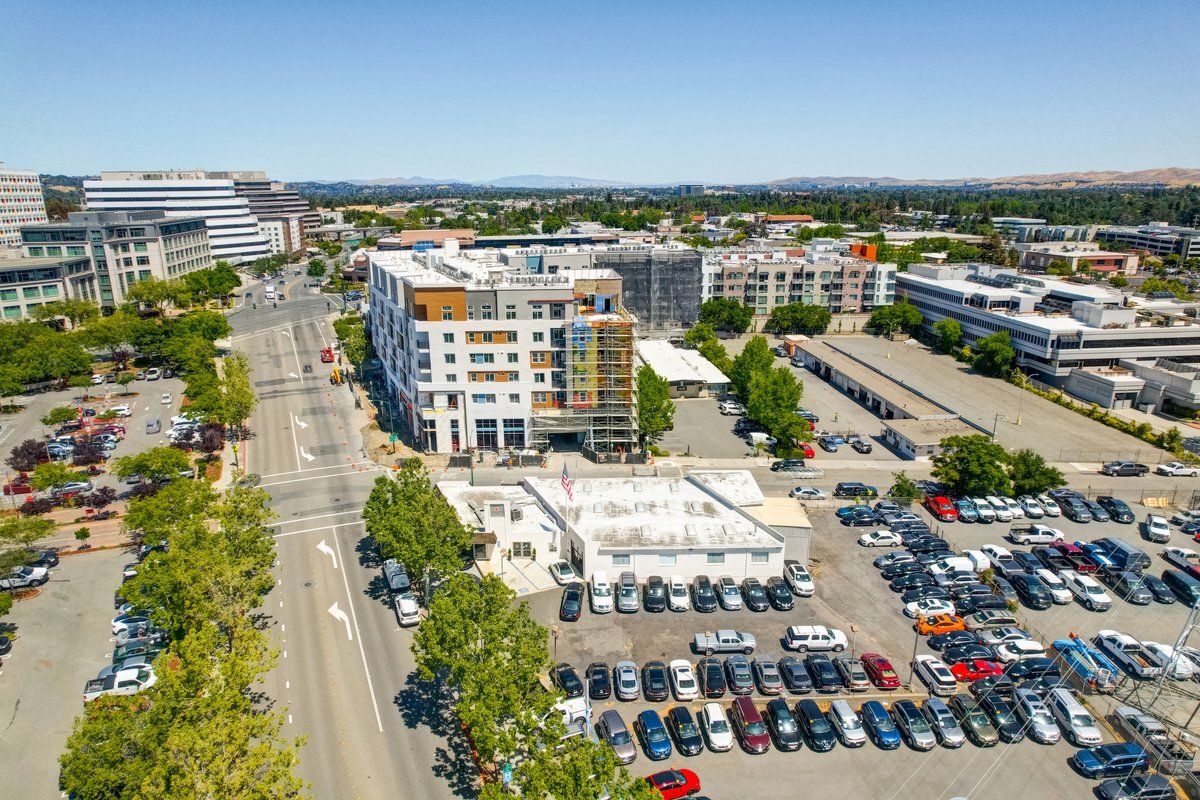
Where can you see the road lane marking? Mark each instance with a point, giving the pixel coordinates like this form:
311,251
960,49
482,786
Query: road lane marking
293,375
363,653
296,444
307,456
349,466
299,422
299,480
327,550
320,516
339,614
323,339
296,353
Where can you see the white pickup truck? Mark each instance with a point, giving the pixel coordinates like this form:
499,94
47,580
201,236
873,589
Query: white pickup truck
724,641
1128,654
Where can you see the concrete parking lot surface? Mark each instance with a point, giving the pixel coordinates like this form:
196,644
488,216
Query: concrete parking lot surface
64,639
701,429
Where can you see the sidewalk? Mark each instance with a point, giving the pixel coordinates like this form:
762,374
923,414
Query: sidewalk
522,575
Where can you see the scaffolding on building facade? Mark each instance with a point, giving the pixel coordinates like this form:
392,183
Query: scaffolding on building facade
599,399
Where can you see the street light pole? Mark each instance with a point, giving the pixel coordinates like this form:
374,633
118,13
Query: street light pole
996,424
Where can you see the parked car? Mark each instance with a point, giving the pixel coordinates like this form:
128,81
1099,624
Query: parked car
750,726
1121,759
1124,468
755,595
563,573
682,727
913,726
941,508
728,593
649,727
935,675
738,675
1156,528
716,728
975,722
816,728
880,671
567,679
1003,716
704,597
571,605
795,675
599,681
683,680
1138,787
767,676
879,725
678,598
625,679
825,677
1118,510
710,674
654,596
798,578
613,731
779,594
655,685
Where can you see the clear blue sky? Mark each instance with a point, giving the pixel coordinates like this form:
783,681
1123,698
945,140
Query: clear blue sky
731,91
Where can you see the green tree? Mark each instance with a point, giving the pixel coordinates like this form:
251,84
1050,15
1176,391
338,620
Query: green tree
352,335
904,490
158,294
726,314
655,410
124,379
552,223
493,654
237,397
899,317
113,333
60,414
698,334
51,474
714,352
1118,281
74,310
756,358
411,521
57,356
994,355
798,318
949,333
972,465
1030,474
1084,267
316,268
1170,438
157,465
209,325
17,534
1060,267
1172,285
583,769
11,381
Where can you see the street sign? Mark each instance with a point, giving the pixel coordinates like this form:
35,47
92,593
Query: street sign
506,774
392,438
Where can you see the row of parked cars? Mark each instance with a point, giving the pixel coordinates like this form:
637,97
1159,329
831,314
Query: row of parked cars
657,594
138,643
994,711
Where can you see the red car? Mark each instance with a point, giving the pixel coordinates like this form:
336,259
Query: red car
674,783
1080,561
976,668
880,671
941,507
806,449
19,486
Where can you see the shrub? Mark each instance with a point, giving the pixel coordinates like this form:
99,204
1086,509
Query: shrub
36,506
658,451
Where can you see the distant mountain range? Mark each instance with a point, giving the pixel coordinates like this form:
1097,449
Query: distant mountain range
507,182
1167,176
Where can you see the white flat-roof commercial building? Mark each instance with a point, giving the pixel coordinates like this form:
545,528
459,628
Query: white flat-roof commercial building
650,526
688,373
658,526
1055,326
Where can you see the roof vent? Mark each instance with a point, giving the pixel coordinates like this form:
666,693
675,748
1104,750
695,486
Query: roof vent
690,530
598,508
640,507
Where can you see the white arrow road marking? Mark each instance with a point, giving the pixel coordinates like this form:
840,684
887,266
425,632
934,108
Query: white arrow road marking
327,550
307,454
339,614
287,334
298,422
293,375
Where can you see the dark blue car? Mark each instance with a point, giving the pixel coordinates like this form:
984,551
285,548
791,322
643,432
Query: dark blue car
650,727
1109,760
880,725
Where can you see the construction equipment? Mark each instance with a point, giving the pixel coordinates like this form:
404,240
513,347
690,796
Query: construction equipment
335,377
327,355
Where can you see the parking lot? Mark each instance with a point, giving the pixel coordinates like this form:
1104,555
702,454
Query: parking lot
63,640
852,596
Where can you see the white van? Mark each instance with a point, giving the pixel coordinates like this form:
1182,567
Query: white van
950,564
1079,724
755,438
979,560
601,592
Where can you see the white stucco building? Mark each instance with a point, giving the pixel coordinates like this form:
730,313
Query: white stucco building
21,203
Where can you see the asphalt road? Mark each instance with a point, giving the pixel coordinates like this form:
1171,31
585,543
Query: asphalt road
345,671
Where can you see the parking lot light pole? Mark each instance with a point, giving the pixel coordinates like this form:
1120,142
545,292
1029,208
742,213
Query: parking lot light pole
912,662
996,423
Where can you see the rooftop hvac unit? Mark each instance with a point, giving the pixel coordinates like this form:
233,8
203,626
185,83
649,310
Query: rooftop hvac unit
517,514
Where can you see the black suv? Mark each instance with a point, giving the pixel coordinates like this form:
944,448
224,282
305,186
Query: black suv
755,595
655,594
1031,591
704,599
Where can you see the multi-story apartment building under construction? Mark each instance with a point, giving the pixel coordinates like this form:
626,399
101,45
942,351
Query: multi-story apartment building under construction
480,355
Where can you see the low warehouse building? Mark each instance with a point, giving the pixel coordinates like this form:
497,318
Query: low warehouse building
687,373
921,438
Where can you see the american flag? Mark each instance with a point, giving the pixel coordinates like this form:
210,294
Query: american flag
566,484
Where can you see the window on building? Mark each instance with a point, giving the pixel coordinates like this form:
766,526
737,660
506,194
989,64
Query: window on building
485,433
32,291
514,358
487,312
470,312
514,433
483,358
522,550
716,558
539,377
449,358
760,558
620,559
36,252
666,559
447,338
514,398
511,337
140,247
447,315
510,312
558,310
539,336
541,397
537,311
538,357
513,377
488,337
483,399
489,377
